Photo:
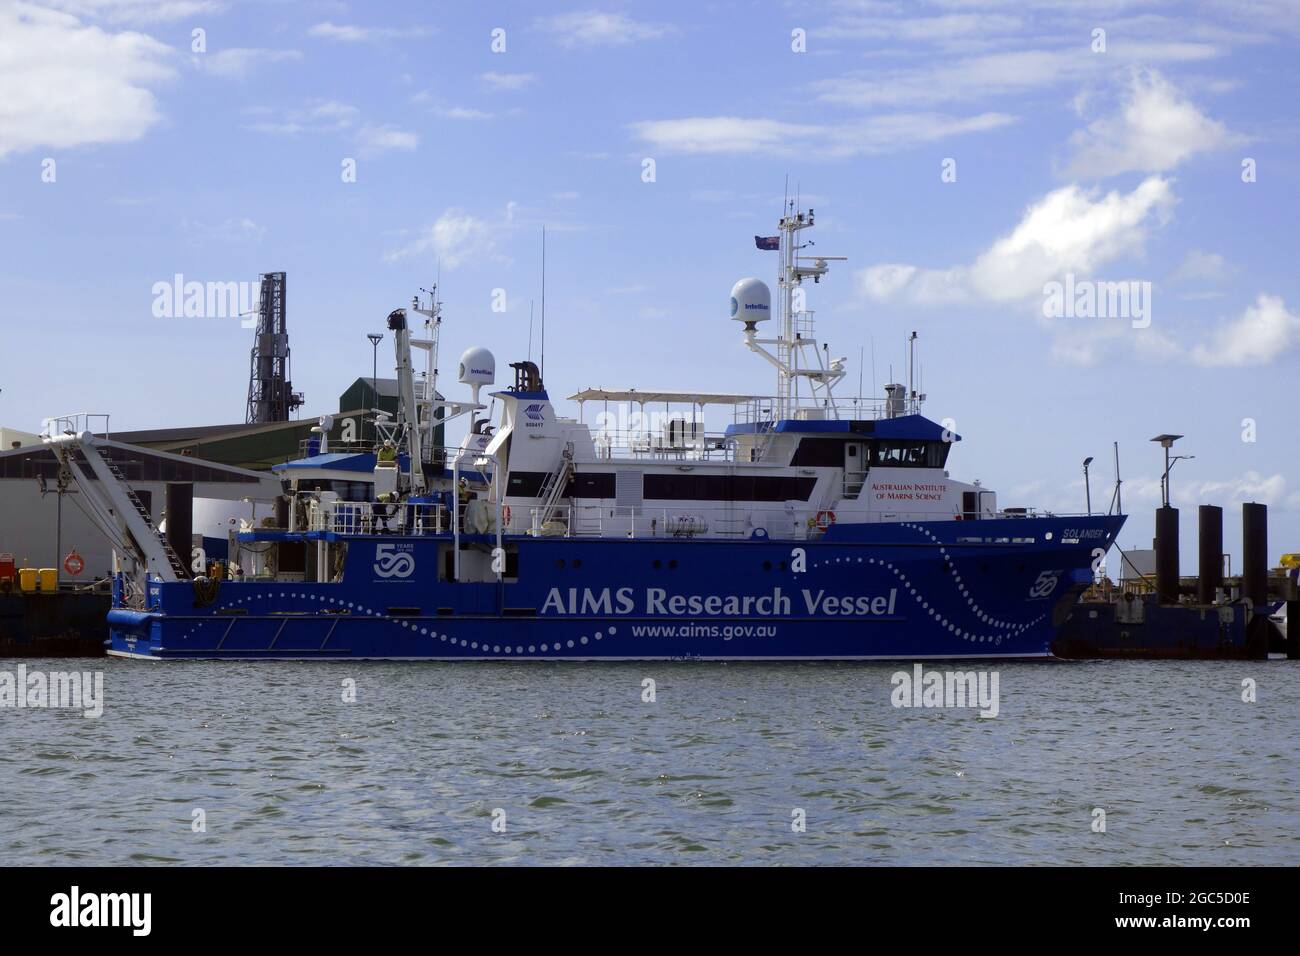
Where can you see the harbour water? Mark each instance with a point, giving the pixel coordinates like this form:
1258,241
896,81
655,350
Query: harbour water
582,769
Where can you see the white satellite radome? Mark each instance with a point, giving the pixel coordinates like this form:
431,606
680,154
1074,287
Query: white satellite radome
478,367
751,301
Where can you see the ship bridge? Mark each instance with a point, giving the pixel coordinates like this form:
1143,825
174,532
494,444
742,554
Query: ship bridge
669,425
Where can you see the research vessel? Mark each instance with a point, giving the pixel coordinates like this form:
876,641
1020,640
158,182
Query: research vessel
809,526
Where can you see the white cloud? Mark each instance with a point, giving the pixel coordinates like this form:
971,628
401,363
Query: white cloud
722,134
331,116
592,28
741,135
332,111
373,140
136,11
239,62
461,113
1202,266
455,238
940,28
1142,492
1250,486
236,229
1155,130
1005,73
64,84
1088,342
319,116
446,111
350,33
1068,230
507,82
1187,491
1262,333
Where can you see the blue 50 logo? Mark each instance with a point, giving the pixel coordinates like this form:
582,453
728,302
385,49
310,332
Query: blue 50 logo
391,563
1044,586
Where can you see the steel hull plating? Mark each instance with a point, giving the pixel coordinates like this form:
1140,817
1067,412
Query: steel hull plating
949,589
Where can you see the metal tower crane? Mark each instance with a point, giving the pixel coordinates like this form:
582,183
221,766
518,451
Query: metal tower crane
271,397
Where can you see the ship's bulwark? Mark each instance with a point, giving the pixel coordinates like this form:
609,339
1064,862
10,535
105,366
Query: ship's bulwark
949,589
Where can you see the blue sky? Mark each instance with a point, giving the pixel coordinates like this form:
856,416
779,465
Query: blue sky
1122,163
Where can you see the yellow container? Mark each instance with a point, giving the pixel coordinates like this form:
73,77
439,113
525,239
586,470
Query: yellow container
1291,560
27,579
49,579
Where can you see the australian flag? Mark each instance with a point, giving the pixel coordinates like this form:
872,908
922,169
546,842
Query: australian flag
770,243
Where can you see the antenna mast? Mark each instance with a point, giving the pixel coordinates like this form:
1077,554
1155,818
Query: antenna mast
543,345
421,442
796,326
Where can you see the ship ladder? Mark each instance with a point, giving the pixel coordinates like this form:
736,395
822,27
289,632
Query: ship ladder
556,483
173,558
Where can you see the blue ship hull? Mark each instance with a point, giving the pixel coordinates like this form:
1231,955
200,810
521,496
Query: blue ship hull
994,588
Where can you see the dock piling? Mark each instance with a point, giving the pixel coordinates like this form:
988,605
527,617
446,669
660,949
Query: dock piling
1254,555
180,519
1210,552
1167,554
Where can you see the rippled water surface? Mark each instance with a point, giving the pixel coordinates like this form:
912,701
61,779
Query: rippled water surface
711,772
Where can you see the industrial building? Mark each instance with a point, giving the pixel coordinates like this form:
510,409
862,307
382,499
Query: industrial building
35,533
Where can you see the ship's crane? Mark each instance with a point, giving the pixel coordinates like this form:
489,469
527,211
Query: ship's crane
116,509
407,413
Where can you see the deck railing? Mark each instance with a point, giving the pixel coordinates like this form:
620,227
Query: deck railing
688,444
763,409
612,520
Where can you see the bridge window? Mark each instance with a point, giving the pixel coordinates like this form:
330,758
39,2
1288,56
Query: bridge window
909,453
677,487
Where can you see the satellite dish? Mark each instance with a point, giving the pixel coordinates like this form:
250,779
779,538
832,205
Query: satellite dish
478,367
751,302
